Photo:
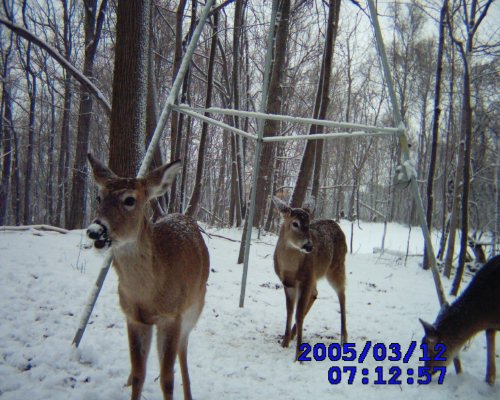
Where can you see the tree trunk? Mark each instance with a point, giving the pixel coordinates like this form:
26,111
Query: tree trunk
62,165
175,198
194,202
28,171
274,101
79,183
435,126
7,139
130,84
320,107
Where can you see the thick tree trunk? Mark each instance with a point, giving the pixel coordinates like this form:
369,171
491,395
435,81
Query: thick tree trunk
314,149
130,84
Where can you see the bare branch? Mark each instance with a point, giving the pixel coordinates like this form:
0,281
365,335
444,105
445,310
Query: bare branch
30,37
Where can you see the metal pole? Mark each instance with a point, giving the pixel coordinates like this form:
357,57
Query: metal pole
326,136
92,299
258,151
146,161
287,118
406,153
201,117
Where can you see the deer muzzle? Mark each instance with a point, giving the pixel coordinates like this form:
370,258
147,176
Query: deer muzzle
308,247
99,234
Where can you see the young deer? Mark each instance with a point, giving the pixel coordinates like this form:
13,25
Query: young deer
476,309
162,270
305,253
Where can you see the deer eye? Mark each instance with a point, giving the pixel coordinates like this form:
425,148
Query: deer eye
98,199
295,224
129,201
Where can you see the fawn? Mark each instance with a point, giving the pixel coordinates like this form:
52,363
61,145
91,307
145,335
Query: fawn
476,309
306,252
162,269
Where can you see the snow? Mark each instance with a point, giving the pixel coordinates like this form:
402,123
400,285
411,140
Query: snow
234,352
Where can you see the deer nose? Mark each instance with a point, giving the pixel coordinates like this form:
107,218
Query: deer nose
308,247
96,230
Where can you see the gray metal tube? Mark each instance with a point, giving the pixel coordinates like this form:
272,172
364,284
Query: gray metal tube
406,154
258,152
287,118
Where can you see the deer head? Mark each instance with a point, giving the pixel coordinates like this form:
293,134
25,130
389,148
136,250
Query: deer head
295,226
122,201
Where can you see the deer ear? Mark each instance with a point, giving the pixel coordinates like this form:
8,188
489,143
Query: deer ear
428,328
160,180
100,171
282,207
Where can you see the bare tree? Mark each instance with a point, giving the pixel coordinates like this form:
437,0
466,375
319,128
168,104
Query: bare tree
435,123
193,206
314,148
472,20
93,21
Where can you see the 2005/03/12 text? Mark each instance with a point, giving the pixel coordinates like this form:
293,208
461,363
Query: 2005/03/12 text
393,375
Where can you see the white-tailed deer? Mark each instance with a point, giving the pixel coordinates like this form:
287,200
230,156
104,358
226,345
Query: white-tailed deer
162,270
306,252
476,309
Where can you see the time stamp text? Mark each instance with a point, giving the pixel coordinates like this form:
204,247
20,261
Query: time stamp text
380,375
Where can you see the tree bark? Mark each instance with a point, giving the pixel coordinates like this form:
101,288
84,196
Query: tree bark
314,148
130,84
274,102
194,202
435,125
93,20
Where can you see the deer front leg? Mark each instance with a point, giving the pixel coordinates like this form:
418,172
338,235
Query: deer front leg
168,343
314,296
490,350
290,294
139,338
300,314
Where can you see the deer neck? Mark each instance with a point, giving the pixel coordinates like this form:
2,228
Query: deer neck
137,247
460,322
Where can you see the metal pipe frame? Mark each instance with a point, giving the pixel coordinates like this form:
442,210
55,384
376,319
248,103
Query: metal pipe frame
335,135
258,151
287,118
212,121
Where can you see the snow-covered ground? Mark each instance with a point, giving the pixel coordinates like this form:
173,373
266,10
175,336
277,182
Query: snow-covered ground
234,352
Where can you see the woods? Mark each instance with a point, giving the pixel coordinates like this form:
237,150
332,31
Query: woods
64,63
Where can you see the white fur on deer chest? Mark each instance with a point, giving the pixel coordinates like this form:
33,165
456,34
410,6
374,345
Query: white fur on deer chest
135,271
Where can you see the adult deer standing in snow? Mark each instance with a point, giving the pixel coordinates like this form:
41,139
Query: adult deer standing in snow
162,270
306,252
476,309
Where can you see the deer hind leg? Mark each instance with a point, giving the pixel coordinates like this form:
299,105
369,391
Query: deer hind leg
313,298
189,319
336,278
139,337
490,363
168,343
291,296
